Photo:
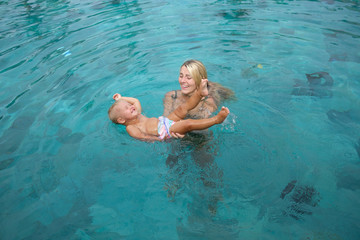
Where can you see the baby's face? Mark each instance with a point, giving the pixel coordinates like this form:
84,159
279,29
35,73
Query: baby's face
126,110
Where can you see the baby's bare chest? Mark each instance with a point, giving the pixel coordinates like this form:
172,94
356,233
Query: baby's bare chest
149,126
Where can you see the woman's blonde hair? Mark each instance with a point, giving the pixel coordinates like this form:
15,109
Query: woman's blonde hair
217,91
196,69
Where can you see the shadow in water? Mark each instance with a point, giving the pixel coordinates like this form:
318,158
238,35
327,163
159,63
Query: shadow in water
301,198
319,84
194,177
195,154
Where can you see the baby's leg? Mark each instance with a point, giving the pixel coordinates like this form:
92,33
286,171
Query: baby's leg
180,112
188,125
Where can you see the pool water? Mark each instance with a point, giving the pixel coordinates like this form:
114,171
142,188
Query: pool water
284,165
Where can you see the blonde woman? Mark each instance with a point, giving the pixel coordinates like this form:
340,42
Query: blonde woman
200,146
191,74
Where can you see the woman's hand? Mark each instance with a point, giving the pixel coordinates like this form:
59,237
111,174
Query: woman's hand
177,135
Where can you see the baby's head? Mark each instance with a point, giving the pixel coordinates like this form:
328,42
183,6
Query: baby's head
114,112
121,112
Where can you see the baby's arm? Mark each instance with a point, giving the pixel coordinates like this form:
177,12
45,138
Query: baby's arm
136,133
130,100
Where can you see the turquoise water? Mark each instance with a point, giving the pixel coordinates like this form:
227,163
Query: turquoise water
284,165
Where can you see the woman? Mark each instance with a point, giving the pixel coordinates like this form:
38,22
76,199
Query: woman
199,146
191,73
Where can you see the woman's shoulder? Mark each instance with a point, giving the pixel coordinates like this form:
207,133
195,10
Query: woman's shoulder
169,102
171,94
170,99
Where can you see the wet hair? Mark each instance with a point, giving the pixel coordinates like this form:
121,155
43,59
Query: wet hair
220,93
196,69
112,112
216,90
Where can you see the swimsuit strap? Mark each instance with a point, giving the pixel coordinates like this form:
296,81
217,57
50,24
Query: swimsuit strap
174,96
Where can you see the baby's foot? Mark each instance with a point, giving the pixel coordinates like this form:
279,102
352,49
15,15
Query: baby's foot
204,88
221,116
116,96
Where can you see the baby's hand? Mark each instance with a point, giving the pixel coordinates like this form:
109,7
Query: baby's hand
116,96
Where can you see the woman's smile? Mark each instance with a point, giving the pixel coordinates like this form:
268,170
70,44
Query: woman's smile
187,83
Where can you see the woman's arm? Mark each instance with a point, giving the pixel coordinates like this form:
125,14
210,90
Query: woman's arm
203,110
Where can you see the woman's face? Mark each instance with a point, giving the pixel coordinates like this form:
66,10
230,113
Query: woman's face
187,83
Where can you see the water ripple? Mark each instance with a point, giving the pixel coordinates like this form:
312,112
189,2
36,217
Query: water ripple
61,61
